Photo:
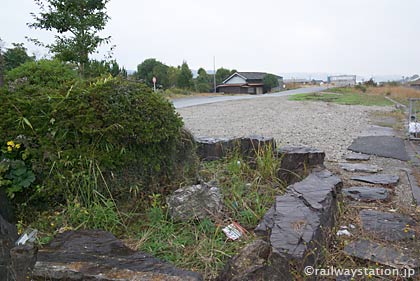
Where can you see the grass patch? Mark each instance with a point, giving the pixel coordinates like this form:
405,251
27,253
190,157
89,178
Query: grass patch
345,97
198,245
248,186
343,90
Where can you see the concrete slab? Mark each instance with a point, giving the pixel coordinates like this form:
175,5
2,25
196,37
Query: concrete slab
384,146
374,130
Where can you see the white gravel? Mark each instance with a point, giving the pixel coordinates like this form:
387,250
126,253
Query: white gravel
327,126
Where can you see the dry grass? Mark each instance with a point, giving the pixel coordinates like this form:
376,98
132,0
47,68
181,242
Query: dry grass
398,92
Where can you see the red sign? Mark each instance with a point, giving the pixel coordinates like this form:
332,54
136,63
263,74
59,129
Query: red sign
154,80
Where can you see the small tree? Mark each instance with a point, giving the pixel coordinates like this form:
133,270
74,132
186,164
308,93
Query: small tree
270,81
202,82
97,68
185,80
173,73
150,68
13,57
78,23
222,74
370,83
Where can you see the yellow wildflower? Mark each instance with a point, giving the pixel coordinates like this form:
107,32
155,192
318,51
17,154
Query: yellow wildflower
9,148
17,146
11,143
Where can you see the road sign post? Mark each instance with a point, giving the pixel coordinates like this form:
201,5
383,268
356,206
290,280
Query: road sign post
154,83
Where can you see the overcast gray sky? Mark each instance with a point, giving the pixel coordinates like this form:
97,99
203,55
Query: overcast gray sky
334,36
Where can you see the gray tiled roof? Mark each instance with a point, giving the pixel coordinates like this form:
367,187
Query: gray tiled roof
417,82
255,75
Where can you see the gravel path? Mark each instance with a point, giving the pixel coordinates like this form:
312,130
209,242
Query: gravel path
327,126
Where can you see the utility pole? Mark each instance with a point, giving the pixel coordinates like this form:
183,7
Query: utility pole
214,73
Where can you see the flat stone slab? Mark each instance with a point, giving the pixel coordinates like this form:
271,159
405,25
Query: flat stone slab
388,226
357,157
384,179
296,222
358,167
98,255
366,193
384,146
386,255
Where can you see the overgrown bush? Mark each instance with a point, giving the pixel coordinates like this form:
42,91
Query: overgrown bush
127,132
43,75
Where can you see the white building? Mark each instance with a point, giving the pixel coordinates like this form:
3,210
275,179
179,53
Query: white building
342,80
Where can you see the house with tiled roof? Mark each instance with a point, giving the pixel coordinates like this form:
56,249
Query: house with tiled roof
245,83
415,84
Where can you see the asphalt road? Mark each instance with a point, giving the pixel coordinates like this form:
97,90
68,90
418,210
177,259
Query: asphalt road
187,102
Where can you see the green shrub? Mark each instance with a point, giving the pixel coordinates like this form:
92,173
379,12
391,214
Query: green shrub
15,169
15,176
360,88
176,92
42,75
127,132
203,87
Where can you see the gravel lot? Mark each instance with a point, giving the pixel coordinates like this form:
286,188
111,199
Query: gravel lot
327,126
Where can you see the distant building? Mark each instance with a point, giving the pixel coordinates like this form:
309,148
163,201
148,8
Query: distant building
415,84
342,80
302,81
245,83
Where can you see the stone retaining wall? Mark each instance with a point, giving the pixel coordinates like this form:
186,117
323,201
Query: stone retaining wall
296,161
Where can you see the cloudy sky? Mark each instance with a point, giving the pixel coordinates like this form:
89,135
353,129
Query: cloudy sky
366,37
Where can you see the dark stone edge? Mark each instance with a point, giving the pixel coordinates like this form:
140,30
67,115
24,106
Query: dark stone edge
415,189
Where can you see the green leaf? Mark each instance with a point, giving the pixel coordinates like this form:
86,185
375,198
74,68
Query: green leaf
27,122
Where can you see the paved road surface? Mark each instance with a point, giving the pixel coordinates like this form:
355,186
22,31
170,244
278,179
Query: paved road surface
187,102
